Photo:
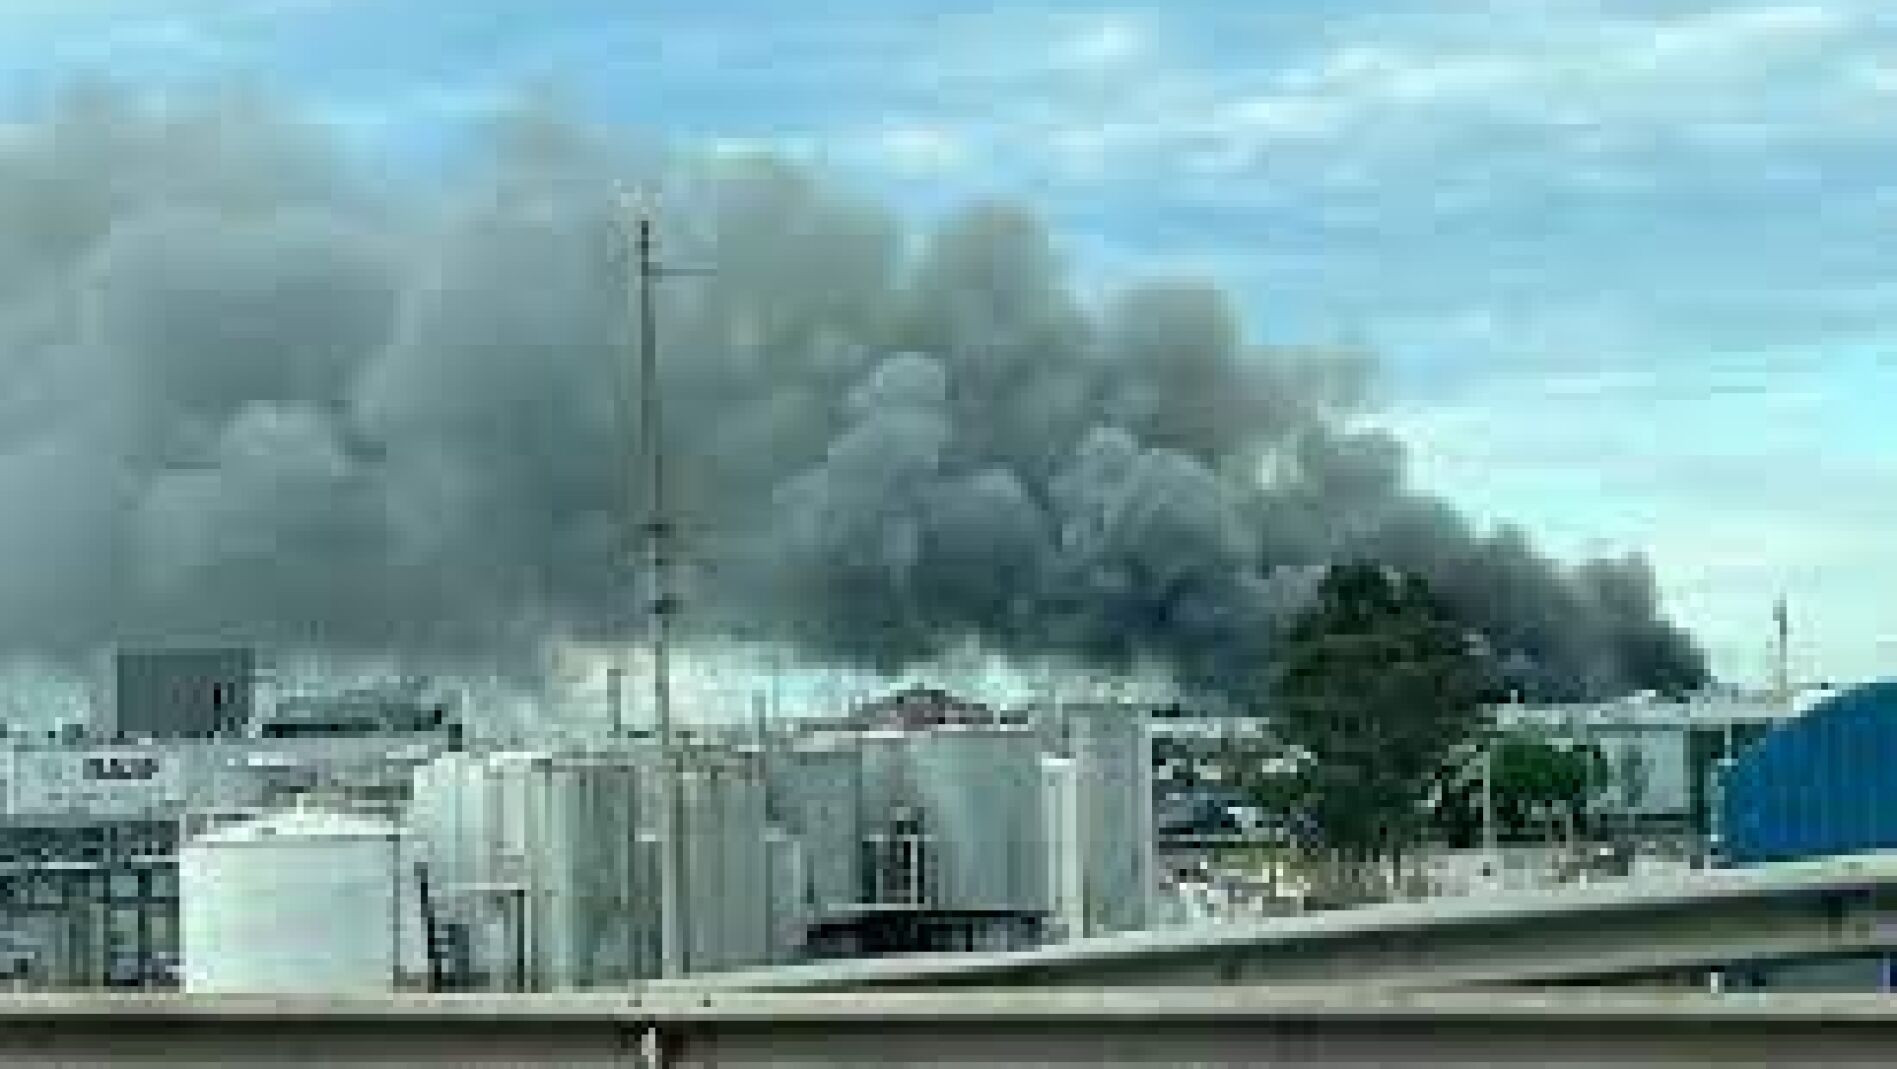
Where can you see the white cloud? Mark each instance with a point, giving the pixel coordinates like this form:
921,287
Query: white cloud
921,149
1110,42
172,40
1744,34
1740,76
1276,116
1878,76
424,105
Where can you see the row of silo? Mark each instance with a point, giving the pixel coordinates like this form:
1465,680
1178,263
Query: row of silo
530,870
544,866
850,800
952,817
539,861
553,861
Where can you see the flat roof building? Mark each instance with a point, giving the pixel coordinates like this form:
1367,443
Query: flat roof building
182,693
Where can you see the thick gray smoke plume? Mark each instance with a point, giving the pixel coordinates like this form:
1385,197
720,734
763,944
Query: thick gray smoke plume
248,394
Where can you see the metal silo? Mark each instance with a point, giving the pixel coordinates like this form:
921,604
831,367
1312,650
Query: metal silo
815,789
1064,841
449,825
297,902
726,863
788,891
979,789
1112,747
590,906
885,802
537,855
882,777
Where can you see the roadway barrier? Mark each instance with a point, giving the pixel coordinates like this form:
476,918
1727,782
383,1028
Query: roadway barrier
1170,1027
1663,931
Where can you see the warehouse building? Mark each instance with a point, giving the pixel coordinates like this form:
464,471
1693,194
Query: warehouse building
1662,756
182,693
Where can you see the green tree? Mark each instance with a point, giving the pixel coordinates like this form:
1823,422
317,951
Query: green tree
1541,787
1381,688
1538,783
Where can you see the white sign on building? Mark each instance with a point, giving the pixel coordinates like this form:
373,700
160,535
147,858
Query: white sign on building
118,781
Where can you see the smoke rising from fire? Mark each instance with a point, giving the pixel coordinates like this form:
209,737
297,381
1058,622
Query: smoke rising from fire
250,393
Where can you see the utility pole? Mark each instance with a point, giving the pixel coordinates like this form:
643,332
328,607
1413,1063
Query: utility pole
1782,654
616,701
777,683
761,717
663,602
1491,855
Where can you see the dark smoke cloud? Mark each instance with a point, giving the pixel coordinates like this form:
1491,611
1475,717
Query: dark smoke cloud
248,394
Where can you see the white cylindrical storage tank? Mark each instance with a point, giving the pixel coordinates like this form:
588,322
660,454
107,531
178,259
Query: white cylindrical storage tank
301,902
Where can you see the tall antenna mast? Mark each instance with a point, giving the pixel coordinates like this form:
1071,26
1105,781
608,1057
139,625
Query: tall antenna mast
663,602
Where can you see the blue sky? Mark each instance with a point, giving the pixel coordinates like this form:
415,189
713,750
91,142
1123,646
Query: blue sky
1631,262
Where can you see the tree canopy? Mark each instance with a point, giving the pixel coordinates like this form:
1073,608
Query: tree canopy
1539,785
1380,687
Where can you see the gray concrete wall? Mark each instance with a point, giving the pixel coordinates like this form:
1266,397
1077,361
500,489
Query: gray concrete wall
1224,1027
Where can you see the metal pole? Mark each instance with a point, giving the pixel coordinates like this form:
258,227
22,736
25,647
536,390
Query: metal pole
1716,818
1584,811
777,682
1489,839
518,895
761,712
395,914
1782,667
674,894
616,699
431,930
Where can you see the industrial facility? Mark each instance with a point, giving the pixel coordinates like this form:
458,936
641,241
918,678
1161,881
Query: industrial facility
202,832
210,836
97,817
